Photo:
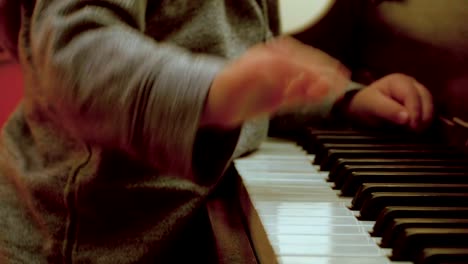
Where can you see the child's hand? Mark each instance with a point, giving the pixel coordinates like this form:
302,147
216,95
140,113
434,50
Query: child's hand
397,98
280,73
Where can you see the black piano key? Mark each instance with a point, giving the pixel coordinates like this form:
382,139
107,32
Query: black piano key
386,149
348,169
311,134
316,144
372,207
390,131
443,256
365,191
398,225
342,162
390,213
312,137
313,144
309,138
356,179
323,149
335,154
412,241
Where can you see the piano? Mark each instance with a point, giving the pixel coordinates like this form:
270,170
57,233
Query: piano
328,195
347,196
386,199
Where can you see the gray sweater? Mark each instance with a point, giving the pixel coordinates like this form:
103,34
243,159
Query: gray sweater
103,161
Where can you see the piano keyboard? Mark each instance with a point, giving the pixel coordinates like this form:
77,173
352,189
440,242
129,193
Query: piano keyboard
296,216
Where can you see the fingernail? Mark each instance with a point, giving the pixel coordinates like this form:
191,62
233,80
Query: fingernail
403,117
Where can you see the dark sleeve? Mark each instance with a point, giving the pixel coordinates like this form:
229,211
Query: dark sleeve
109,84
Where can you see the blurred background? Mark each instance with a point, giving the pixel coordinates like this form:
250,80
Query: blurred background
10,85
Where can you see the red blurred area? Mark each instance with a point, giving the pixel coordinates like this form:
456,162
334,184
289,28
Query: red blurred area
11,88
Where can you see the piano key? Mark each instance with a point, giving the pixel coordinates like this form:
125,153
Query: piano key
314,142
366,189
302,221
324,149
355,230
311,132
342,162
399,224
324,211
392,212
313,240
307,139
372,207
413,240
334,154
443,255
327,250
311,221
336,260
356,179
343,175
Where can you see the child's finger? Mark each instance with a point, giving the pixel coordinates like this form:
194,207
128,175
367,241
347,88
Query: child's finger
400,88
427,103
385,107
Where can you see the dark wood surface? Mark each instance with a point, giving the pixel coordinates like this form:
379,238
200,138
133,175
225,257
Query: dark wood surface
229,224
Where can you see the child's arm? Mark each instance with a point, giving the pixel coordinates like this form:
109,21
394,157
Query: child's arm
103,81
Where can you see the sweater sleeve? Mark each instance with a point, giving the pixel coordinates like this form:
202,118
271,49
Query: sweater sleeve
107,83
292,120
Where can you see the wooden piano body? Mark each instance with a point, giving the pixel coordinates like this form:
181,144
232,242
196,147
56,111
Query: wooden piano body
253,214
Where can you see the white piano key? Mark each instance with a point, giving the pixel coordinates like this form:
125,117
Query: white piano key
275,157
335,260
273,230
321,239
272,152
304,205
294,198
328,250
298,166
253,175
311,212
305,220
284,185
266,159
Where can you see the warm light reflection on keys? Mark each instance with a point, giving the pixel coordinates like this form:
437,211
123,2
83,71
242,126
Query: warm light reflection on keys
305,220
